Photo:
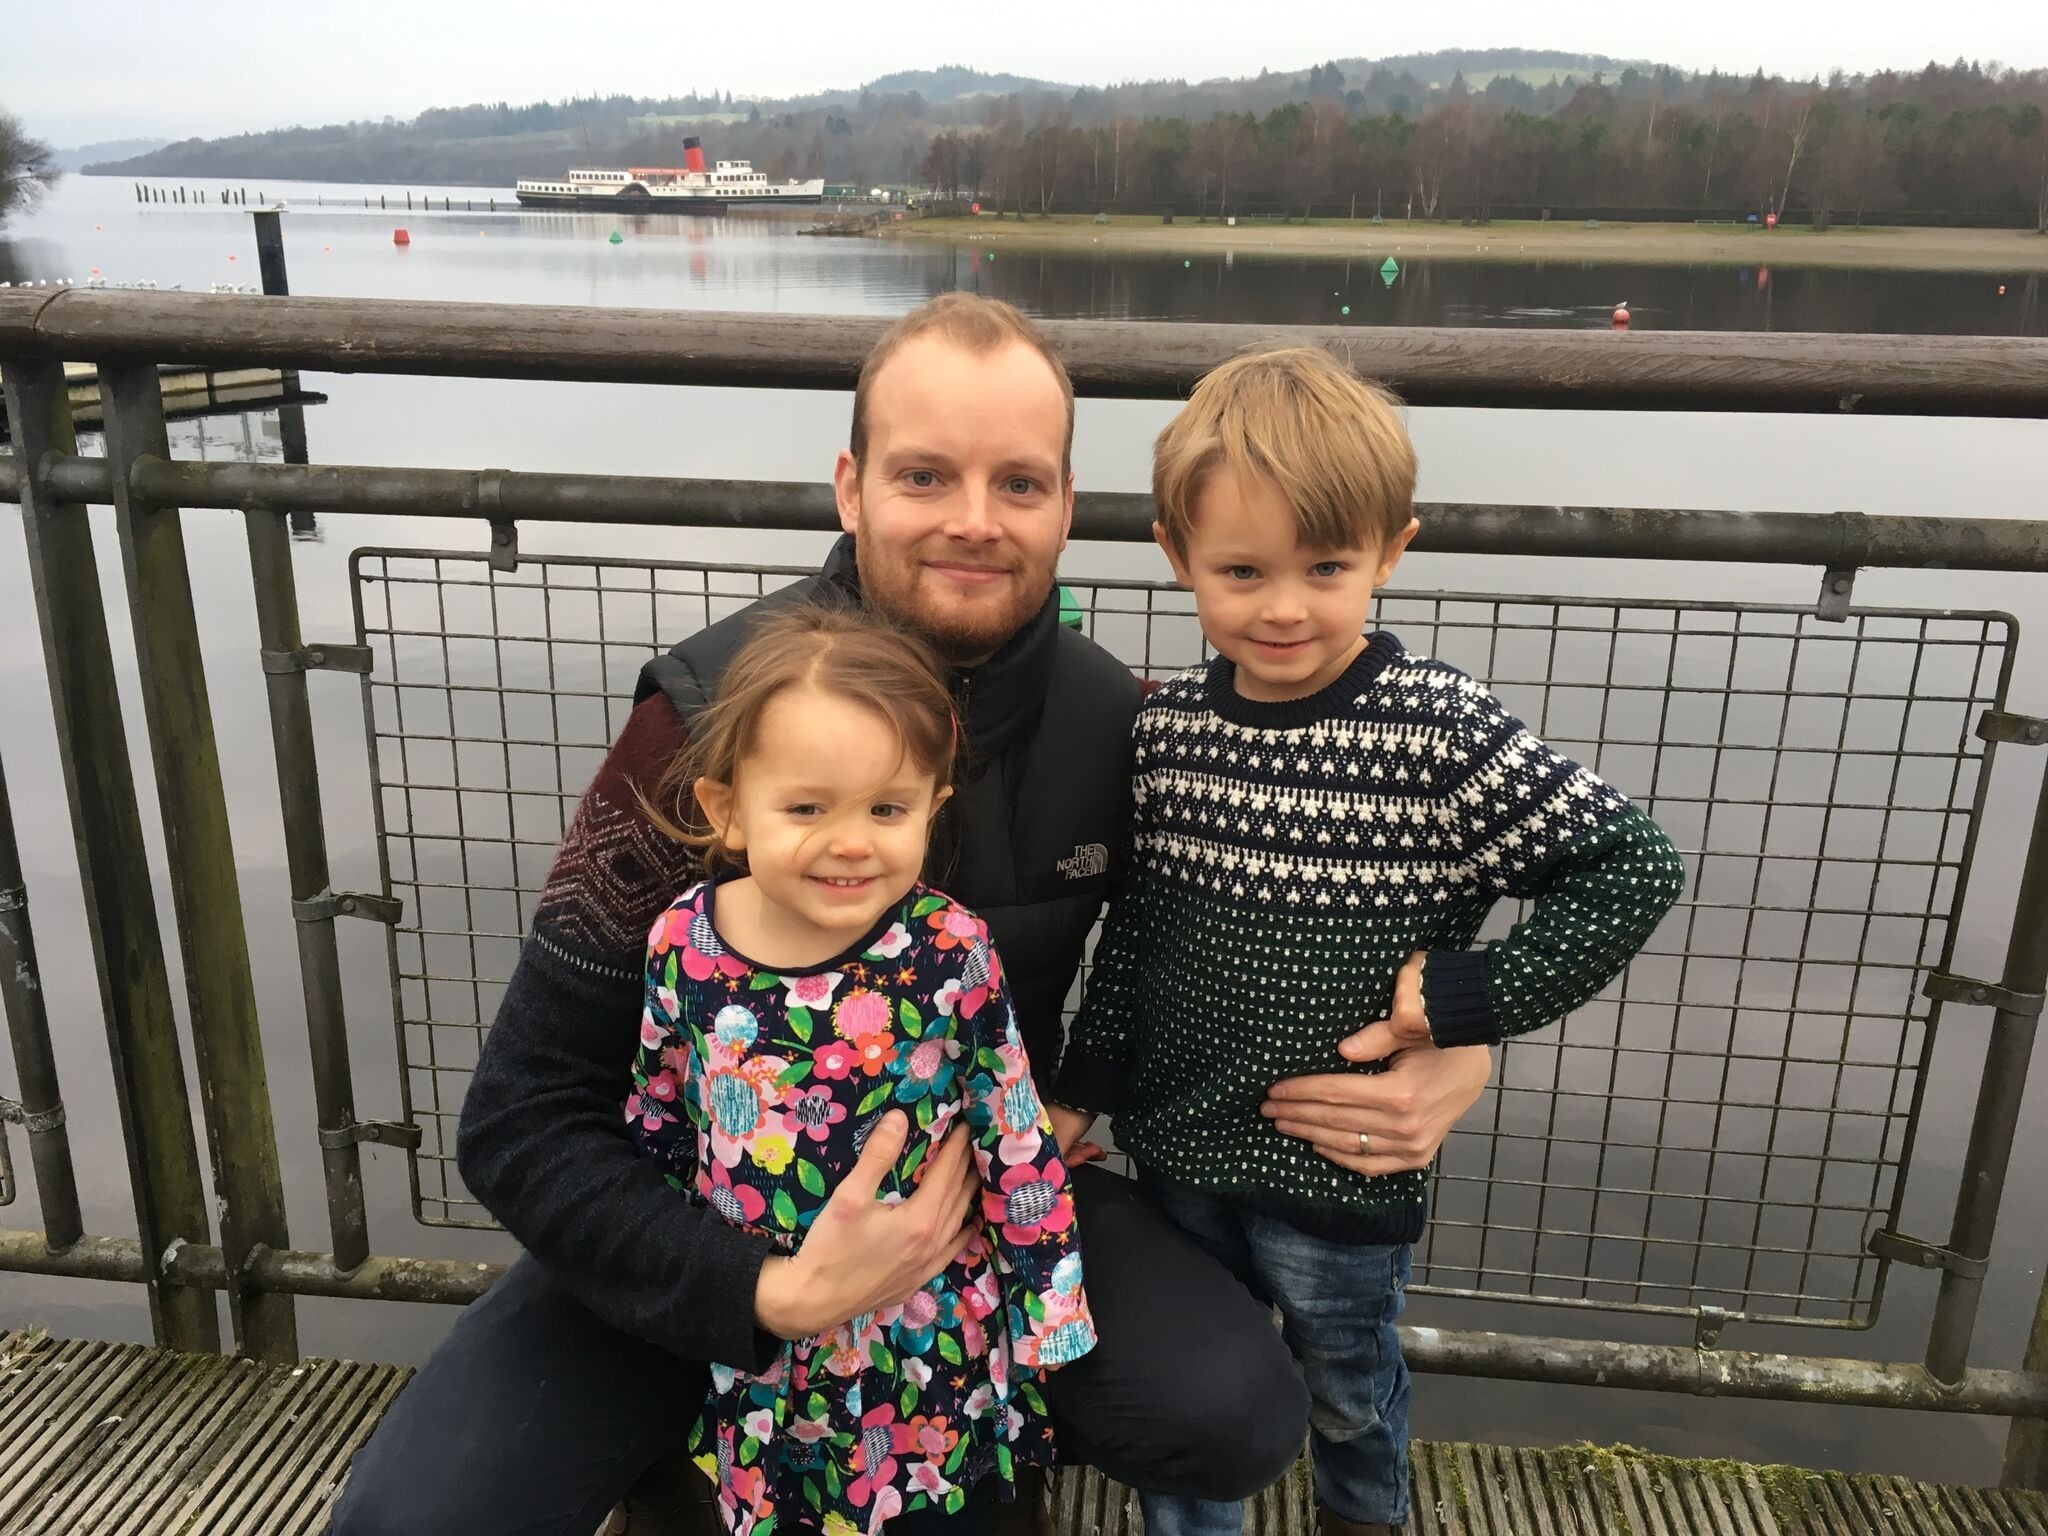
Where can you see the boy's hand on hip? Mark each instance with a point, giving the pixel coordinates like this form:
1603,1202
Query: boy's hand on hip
861,1255
1404,1112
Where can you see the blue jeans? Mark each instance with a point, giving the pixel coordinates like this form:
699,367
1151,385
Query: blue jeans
1338,1304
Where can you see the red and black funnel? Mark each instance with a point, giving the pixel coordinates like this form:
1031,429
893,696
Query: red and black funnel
693,153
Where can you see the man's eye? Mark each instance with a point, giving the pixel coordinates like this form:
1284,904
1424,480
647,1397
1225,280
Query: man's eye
923,479
1021,485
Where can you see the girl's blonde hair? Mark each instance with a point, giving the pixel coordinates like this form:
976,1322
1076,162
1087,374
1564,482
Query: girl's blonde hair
842,652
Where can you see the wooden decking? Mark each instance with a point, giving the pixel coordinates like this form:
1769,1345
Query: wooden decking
121,1440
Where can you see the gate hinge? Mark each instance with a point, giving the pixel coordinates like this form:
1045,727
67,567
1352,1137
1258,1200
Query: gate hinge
32,1120
1944,988
1837,587
1707,1324
1886,1244
386,1133
379,909
321,658
2003,725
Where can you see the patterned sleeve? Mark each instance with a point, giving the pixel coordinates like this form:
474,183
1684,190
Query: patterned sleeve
660,1108
1027,1202
1599,873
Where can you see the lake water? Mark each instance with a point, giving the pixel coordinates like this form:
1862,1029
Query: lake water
1976,468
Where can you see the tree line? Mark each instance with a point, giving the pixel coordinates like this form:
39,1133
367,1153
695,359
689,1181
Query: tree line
1414,137
1956,144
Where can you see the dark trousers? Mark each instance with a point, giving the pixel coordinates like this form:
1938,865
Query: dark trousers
533,1418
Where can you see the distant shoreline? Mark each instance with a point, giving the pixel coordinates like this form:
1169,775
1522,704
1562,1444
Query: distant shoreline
2013,251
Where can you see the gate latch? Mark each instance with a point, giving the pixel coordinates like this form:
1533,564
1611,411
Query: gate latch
379,909
1944,988
385,1133
1917,1251
324,658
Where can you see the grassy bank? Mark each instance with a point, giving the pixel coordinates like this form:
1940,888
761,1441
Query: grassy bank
1941,250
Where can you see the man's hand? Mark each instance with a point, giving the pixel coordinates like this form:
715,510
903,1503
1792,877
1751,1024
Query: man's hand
1070,1128
1405,1111
861,1255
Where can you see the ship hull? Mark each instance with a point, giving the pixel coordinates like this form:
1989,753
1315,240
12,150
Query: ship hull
619,202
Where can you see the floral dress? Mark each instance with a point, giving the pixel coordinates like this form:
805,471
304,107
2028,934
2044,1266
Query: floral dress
757,1089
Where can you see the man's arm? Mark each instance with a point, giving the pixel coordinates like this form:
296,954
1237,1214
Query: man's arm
543,1141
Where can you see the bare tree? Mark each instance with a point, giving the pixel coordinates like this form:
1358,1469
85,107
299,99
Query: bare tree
1797,136
25,169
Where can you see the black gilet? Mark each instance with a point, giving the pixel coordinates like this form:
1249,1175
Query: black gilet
1042,803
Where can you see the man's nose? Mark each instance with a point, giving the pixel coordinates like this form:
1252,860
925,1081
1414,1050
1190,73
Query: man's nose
972,518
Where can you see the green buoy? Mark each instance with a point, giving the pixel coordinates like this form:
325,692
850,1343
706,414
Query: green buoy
1070,609
1345,310
617,238
1389,270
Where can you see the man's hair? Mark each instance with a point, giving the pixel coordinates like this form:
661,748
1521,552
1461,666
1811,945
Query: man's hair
975,325
1331,443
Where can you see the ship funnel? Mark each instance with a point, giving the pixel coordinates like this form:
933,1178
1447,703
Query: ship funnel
693,154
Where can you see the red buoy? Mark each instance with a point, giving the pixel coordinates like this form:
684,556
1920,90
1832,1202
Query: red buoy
1621,317
400,237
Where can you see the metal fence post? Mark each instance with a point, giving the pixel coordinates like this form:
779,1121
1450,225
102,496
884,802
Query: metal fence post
146,1062
205,892
2006,1058
2026,1443
21,998
285,661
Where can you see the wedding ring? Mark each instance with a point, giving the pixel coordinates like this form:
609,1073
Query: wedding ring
1364,1141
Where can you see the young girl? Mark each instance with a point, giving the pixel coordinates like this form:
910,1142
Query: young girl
811,985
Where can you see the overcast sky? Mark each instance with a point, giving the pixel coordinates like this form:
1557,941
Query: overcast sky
100,69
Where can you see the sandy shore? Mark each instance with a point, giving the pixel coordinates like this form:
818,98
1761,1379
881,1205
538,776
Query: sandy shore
1943,250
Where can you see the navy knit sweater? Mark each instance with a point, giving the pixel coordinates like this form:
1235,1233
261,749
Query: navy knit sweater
1287,859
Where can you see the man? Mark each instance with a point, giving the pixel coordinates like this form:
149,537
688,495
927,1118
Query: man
542,1406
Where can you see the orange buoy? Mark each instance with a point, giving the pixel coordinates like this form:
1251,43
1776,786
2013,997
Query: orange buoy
1621,316
231,255
400,237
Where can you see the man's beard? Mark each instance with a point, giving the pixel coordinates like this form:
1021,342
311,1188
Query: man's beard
890,586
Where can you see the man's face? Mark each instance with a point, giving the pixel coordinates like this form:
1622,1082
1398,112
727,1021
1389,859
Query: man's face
960,509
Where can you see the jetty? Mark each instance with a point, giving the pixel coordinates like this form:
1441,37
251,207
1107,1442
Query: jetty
1717,1150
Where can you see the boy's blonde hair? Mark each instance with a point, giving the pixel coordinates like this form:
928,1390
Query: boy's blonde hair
1332,443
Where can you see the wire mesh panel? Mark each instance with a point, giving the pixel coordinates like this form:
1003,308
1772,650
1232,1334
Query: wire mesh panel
1723,1127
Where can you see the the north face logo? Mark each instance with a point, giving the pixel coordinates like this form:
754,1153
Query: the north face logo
1086,859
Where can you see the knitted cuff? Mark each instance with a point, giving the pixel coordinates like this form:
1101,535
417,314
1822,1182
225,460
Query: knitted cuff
1455,999
735,1338
1087,1082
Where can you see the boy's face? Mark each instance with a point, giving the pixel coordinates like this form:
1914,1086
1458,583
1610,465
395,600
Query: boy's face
1289,617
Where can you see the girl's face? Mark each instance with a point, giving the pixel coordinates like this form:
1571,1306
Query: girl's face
831,813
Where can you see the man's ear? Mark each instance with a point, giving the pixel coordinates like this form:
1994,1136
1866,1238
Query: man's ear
846,490
1392,551
715,800
1173,556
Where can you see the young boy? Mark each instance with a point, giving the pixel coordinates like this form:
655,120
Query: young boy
1322,822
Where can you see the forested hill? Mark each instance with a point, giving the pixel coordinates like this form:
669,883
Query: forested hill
873,133
1432,136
